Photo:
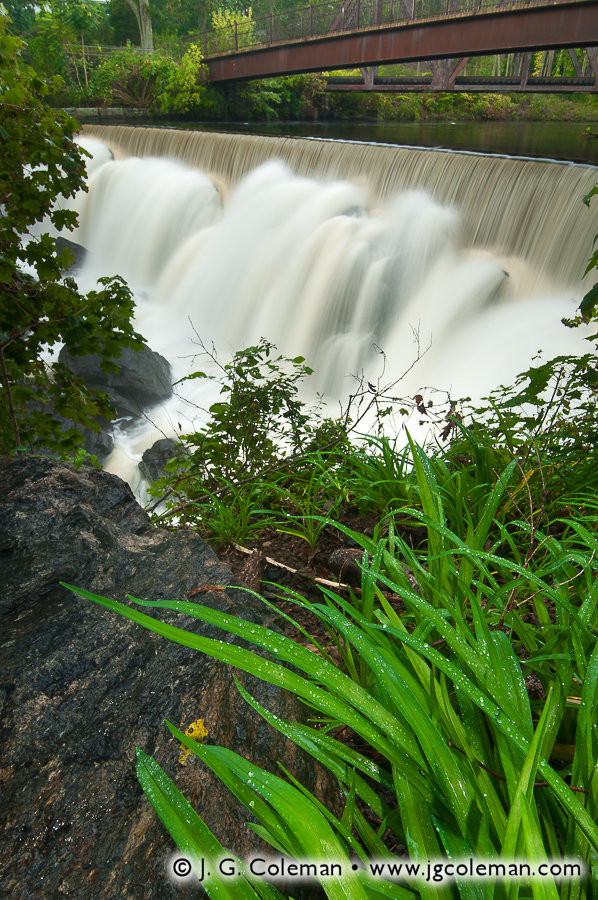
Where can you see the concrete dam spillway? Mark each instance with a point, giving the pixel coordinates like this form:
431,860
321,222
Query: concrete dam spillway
333,249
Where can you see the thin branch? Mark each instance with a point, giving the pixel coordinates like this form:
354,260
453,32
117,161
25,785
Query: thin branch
502,777
11,409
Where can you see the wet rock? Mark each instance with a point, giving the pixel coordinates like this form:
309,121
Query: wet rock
153,461
97,443
345,563
82,687
79,254
143,378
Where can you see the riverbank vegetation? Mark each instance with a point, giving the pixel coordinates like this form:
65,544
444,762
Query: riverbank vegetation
42,407
450,666
95,49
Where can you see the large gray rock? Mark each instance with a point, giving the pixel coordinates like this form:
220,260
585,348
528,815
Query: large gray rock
82,687
143,378
79,253
153,462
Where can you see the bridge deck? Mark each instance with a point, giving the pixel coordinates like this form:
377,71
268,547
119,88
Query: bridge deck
469,84
483,31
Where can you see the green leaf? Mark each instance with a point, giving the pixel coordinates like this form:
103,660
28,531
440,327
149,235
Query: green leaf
192,836
589,301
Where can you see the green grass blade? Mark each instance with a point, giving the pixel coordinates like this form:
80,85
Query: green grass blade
190,833
312,838
341,701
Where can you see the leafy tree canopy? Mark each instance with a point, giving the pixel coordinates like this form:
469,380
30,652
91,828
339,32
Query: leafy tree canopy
39,307
21,14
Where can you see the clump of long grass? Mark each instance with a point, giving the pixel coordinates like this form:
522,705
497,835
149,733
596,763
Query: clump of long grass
456,759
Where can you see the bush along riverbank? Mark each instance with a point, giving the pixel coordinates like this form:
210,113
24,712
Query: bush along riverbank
304,97
448,654
462,106
156,82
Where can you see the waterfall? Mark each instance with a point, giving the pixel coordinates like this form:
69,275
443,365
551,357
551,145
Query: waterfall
525,207
333,249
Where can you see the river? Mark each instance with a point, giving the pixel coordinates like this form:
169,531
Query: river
546,140
333,250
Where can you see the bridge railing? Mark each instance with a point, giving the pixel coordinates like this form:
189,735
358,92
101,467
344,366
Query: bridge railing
319,20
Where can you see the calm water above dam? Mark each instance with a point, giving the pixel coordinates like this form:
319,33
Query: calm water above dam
548,140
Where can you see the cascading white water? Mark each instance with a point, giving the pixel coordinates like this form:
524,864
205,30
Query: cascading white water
320,271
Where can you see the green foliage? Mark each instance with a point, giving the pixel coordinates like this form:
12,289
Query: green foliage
131,77
21,14
184,89
228,511
85,17
300,505
463,106
233,29
123,22
456,759
468,667
192,834
468,670
55,36
40,308
289,97
259,411
226,472
587,308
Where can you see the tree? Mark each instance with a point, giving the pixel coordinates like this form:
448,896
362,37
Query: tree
21,14
141,9
56,38
39,307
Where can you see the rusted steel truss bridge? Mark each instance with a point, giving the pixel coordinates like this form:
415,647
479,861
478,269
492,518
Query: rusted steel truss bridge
365,34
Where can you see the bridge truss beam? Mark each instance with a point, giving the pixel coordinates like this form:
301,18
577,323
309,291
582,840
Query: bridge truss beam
469,85
562,24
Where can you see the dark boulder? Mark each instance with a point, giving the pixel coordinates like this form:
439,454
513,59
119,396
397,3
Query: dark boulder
97,443
143,378
82,687
153,461
79,254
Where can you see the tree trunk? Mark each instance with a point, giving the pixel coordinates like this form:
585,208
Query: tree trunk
547,72
441,73
368,76
141,9
575,61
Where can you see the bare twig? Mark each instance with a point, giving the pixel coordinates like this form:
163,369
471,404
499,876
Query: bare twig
502,777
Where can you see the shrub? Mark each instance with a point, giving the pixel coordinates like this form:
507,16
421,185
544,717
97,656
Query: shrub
232,30
184,89
454,756
131,77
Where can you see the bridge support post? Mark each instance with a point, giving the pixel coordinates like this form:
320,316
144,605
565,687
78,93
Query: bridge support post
524,74
457,71
575,61
591,51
